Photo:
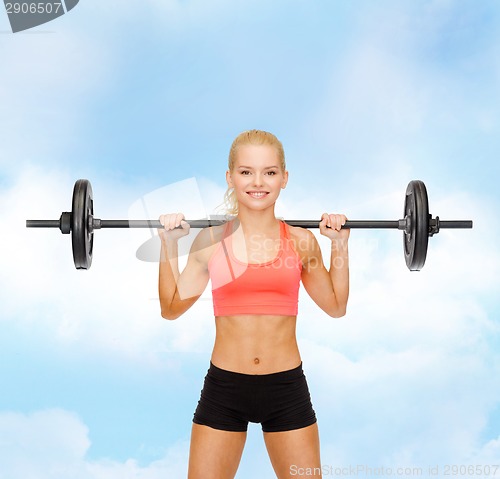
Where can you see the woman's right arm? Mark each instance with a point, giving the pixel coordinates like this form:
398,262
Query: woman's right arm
179,291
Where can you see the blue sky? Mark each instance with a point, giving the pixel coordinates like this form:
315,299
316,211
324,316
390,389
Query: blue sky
139,98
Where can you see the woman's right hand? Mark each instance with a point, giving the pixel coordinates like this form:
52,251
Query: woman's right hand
170,222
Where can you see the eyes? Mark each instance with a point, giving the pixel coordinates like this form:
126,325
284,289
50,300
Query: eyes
247,172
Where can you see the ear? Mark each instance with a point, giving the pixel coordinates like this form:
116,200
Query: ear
228,179
285,180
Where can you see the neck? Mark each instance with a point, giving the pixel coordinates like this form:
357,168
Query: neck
257,221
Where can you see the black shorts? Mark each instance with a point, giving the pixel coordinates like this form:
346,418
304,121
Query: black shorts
230,400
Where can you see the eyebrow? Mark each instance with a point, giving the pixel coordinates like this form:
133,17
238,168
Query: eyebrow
251,168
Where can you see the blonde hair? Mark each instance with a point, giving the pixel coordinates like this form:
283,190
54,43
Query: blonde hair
250,137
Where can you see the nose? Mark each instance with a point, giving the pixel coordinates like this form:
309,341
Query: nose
258,179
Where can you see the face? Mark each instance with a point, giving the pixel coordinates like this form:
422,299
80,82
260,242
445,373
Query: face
257,177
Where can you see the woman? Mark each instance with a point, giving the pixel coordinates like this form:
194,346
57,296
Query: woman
255,263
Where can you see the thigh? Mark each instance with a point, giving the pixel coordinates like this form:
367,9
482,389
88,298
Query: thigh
295,453
214,453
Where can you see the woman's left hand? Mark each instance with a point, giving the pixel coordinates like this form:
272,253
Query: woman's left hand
330,226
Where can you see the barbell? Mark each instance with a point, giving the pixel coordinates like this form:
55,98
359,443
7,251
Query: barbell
417,225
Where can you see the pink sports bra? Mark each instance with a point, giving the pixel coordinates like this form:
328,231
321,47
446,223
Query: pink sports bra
255,288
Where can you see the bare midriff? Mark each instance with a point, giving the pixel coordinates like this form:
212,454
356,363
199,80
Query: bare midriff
256,344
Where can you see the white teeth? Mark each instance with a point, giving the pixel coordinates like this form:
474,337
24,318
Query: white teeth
257,195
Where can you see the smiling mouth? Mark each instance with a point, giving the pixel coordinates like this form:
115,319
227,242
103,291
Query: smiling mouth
257,194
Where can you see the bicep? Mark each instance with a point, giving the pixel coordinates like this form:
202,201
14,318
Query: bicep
315,277
194,278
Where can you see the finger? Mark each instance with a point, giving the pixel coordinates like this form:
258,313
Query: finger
180,223
323,221
178,219
333,221
344,220
338,222
164,219
174,222
167,222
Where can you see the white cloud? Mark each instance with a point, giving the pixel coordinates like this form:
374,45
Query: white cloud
424,406
489,454
42,444
53,444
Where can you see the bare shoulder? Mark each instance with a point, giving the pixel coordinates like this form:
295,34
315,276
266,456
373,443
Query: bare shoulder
209,235
299,234
304,242
205,243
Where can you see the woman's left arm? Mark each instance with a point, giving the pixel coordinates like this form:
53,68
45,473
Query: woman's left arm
328,289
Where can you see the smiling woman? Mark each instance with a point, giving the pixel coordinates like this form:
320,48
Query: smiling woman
255,138
255,263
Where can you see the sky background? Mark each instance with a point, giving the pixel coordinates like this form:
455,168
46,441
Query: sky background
144,99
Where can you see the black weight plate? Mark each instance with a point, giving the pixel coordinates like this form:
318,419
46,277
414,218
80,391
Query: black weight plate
417,238
82,237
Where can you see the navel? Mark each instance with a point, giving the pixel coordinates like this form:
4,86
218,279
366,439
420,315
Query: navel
256,360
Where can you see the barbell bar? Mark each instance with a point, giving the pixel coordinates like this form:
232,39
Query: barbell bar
417,225
349,224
